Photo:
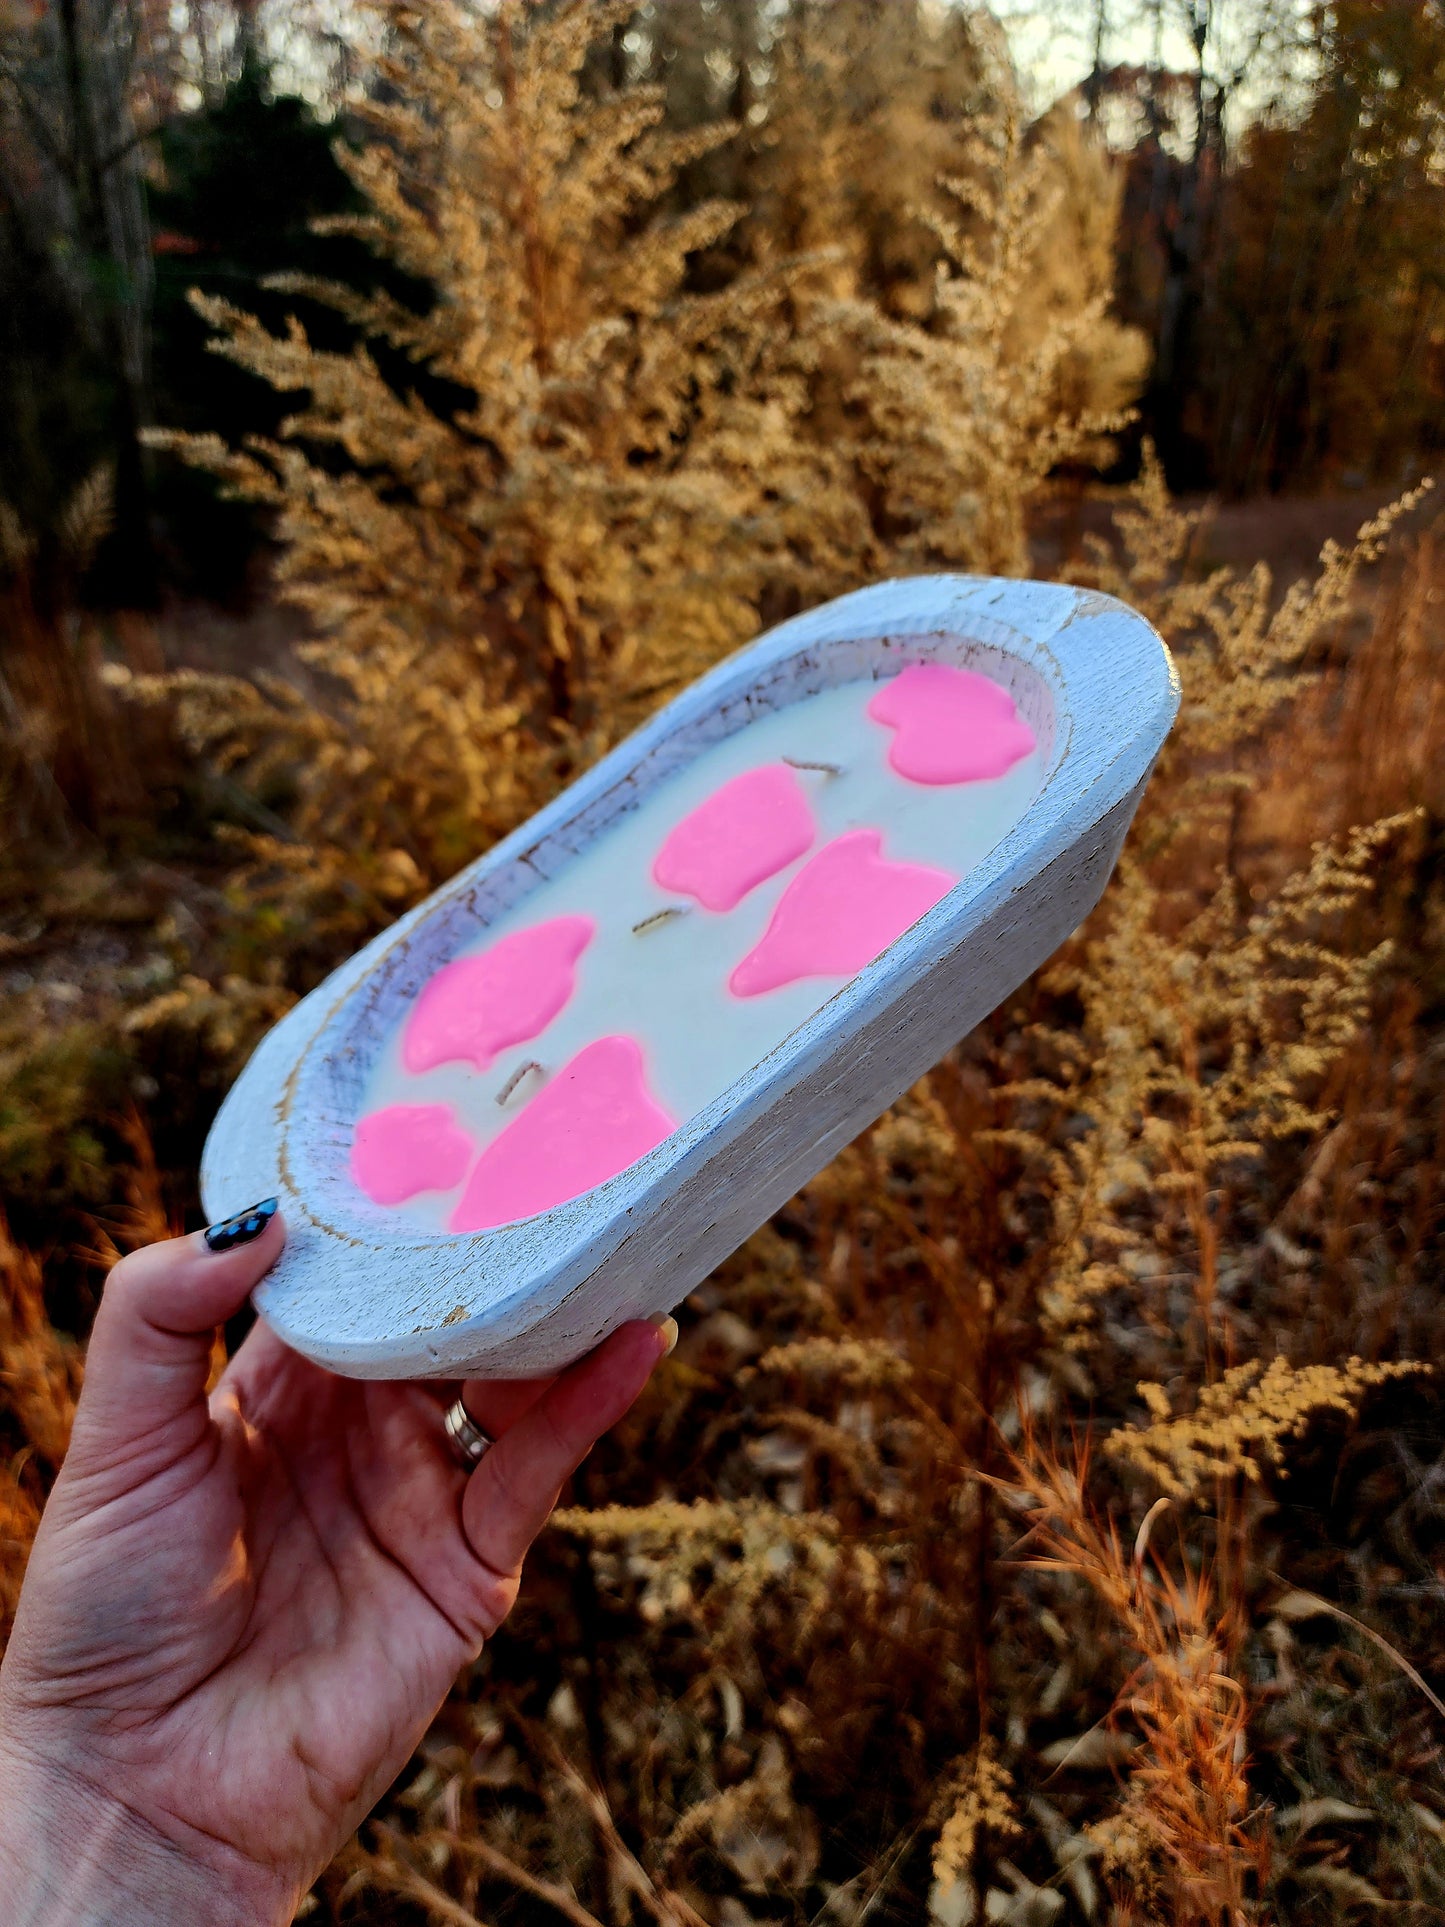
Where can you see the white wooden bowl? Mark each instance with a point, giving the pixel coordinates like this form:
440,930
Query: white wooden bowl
373,1297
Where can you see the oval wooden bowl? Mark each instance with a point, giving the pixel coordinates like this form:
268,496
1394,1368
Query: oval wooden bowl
373,1297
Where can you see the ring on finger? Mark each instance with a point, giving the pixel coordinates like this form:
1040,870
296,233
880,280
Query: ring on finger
468,1442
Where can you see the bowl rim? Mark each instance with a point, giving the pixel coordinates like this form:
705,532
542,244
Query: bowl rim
1093,673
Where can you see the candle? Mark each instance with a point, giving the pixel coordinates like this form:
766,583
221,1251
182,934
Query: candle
622,996
560,1091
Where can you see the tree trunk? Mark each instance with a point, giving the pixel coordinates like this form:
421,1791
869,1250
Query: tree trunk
1180,299
110,225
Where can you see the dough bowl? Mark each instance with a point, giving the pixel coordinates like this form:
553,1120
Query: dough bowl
759,1085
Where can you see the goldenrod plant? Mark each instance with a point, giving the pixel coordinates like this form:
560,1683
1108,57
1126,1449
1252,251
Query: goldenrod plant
1039,1520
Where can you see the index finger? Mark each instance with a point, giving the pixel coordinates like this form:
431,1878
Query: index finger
509,1496
497,1403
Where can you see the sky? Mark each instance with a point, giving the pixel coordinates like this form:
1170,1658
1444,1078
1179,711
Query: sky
1052,43
1053,47
1051,40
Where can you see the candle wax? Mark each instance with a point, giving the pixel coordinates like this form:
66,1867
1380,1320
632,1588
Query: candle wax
666,986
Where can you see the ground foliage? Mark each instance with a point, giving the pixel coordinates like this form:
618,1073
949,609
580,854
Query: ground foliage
1040,1519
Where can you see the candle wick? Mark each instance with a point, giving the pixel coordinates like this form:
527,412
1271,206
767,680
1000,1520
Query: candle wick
515,1079
659,916
799,762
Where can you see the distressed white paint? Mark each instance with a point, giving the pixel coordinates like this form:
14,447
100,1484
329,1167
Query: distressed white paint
370,1296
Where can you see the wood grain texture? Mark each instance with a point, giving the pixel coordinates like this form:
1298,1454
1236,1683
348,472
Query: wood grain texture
368,1297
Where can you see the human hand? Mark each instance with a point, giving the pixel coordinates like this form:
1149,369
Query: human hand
243,1609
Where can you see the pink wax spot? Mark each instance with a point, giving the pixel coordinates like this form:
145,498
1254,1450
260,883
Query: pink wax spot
840,911
595,1118
953,726
476,1006
408,1148
743,834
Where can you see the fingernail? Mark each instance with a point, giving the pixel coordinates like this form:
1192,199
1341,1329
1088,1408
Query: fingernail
241,1229
668,1328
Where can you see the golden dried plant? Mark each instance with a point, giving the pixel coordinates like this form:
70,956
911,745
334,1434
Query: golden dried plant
503,580
1241,649
1247,1416
1196,1047
956,424
517,514
591,480
1188,1840
976,1800
40,1373
722,1559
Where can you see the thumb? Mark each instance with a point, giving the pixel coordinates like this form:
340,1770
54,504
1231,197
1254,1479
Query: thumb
149,1357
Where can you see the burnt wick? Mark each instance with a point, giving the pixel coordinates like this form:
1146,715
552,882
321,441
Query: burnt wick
799,762
659,916
517,1075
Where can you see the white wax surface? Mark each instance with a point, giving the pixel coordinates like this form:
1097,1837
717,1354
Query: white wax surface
667,987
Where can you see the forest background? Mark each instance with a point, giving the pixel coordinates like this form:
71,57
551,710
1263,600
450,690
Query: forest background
1042,1518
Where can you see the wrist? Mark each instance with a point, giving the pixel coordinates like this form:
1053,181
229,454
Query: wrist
72,1853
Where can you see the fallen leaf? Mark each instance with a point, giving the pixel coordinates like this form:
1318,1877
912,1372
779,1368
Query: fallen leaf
1321,1812
1026,1906
1344,1884
1072,1851
954,1903
1299,1605
1094,1749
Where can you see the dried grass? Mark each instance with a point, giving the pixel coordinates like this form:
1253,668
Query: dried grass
966,1558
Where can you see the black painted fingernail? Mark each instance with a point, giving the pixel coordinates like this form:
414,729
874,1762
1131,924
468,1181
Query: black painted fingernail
241,1229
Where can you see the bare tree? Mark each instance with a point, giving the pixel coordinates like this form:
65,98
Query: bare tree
81,90
1195,67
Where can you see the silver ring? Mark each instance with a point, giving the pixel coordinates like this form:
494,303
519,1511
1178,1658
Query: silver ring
469,1443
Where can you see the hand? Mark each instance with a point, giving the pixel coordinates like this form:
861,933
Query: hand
242,1610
